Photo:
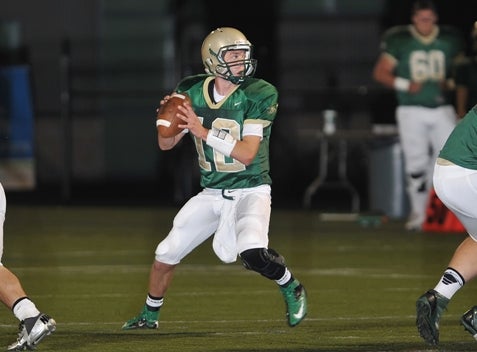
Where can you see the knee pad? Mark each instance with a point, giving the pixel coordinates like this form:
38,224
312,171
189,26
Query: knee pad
266,262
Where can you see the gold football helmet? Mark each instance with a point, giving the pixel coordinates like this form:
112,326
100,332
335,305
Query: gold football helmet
217,43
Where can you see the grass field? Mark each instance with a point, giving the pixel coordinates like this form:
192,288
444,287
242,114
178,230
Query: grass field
88,268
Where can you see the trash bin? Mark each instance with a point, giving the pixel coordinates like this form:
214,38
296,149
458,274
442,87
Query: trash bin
387,182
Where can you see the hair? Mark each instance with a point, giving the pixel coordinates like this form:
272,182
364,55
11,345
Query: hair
423,5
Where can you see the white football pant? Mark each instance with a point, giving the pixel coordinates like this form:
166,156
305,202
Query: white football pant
238,218
422,131
456,187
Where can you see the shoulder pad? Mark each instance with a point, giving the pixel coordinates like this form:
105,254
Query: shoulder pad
187,82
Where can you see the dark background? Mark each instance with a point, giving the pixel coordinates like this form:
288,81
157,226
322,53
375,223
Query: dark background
122,56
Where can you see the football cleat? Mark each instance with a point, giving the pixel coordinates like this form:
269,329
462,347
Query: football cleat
32,331
295,299
429,308
469,321
145,320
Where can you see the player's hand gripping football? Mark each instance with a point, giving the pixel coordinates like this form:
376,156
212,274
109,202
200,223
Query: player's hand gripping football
191,121
169,133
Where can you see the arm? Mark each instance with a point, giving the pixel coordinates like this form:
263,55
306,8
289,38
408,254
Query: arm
246,149
383,73
243,150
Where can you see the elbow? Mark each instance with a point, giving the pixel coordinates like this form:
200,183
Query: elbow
165,144
163,148
378,73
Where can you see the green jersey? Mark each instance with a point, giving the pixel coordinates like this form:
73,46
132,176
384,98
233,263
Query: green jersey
461,146
252,102
427,60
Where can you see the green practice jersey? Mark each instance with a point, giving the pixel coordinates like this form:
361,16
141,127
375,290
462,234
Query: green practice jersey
255,102
461,146
425,60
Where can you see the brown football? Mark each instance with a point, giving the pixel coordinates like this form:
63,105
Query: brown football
167,122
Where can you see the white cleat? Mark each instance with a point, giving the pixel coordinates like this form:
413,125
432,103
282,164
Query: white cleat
32,331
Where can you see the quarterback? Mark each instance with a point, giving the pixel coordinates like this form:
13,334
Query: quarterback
229,119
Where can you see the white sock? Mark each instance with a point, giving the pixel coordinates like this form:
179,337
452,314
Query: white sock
450,283
285,278
154,302
24,308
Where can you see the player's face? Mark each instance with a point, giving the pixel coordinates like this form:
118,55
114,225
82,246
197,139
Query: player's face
231,56
424,21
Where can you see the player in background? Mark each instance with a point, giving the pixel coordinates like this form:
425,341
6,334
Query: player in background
416,61
455,183
466,78
34,325
230,122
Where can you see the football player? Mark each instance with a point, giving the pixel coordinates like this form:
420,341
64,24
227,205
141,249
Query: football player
230,121
416,62
34,325
455,182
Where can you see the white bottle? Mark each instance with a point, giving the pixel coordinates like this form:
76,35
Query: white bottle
329,124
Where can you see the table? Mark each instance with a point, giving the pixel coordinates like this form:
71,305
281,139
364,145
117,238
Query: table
340,139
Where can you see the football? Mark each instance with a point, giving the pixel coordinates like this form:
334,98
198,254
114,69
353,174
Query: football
167,122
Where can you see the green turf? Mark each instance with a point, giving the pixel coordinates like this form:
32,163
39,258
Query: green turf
88,268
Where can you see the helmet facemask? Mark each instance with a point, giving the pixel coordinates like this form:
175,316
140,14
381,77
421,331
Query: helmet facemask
223,69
